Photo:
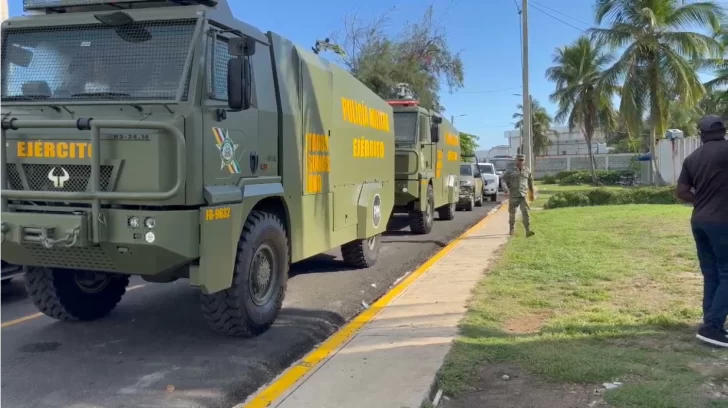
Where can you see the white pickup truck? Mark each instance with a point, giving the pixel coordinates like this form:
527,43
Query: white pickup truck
491,180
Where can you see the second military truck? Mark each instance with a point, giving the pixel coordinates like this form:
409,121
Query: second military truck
427,165
171,141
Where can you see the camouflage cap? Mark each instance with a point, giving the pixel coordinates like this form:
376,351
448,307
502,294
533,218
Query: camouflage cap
520,157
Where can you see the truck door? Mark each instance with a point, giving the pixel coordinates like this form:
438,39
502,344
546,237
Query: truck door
429,152
230,140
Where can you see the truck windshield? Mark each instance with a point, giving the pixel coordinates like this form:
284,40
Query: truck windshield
145,61
466,170
486,168
405,127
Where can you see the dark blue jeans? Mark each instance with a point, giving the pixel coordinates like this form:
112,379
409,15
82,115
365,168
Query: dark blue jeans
711,240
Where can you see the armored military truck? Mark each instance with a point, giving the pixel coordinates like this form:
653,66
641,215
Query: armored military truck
169,140
427,165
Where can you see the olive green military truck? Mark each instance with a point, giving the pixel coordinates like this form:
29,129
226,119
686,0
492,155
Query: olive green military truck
427,165
170,140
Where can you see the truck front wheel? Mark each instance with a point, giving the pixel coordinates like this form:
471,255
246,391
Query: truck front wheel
251,304
421,221
72,295
362,253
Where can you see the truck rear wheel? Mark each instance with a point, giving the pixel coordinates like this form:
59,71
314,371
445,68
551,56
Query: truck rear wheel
72,295
421,221
362,253
251,304
447,212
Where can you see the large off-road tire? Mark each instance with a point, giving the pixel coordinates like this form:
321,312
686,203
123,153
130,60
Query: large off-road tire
362,253
421,221
447,212
260,276
469,206
73,295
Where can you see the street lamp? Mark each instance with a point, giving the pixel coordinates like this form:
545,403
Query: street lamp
452,118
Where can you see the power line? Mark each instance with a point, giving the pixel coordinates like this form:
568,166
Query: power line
556,18
558,12
491,90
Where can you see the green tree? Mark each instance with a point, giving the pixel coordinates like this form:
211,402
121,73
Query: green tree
584,100
540,126
657,64
719,66
684,117
468,144
716,103
419,56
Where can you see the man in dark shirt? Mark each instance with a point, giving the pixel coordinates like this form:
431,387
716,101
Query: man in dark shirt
704,183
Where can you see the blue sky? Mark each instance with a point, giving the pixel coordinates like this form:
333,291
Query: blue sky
485,32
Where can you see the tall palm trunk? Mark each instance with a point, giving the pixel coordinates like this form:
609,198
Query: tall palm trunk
656,176
592,163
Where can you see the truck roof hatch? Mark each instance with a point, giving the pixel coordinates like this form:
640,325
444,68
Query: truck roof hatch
64,6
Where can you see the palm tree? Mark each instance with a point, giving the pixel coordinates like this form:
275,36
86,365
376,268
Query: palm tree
584,100
720,66
657,64
540,126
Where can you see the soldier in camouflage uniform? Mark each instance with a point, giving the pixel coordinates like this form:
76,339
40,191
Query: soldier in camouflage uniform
519,182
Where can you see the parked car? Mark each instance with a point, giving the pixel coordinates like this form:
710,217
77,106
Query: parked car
491,180
471,187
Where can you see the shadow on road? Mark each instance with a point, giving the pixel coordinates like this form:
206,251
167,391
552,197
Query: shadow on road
13,291
158,340
322,263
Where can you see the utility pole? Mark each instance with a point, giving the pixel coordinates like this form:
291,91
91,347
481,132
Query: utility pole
526,93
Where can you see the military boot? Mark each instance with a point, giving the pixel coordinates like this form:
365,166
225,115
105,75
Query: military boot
530,233
512,231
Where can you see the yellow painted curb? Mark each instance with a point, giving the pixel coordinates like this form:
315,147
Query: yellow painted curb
289,377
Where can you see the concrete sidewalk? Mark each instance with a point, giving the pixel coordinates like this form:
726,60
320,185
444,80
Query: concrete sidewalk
392,360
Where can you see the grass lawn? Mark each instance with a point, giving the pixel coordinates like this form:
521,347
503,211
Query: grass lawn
547,190
599,295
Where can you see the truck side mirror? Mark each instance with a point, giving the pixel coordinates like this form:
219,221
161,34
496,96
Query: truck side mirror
239,84
435,133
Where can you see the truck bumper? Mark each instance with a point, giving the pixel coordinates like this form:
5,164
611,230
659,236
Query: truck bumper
64,240
465,195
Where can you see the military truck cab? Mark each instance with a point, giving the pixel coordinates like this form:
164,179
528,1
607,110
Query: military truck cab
169,140
427,165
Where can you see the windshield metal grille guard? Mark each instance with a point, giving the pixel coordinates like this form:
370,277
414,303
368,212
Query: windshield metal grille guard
180,95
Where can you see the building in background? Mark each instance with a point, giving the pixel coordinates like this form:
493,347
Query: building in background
3,10
563,142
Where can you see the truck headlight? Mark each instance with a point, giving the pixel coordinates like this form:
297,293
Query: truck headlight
149,237
150,222
133,222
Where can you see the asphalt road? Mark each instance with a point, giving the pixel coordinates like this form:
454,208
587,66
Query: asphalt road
156,337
